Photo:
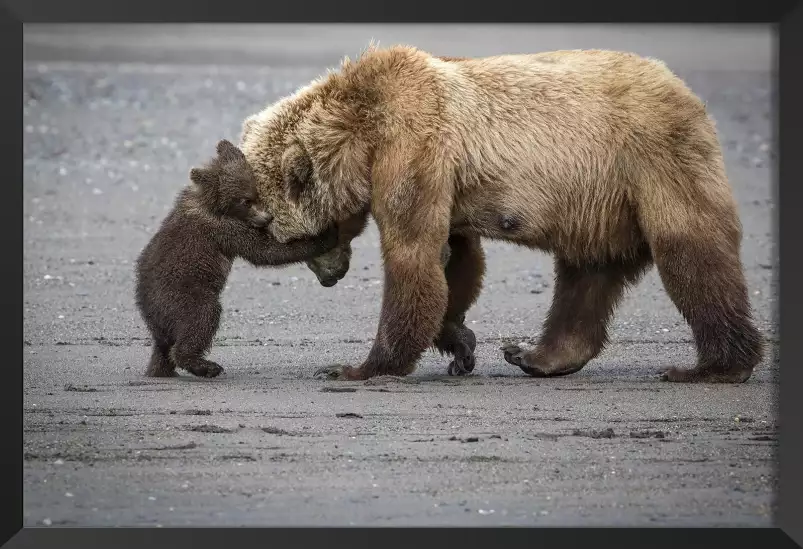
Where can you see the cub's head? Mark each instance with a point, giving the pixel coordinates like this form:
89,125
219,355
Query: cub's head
226,186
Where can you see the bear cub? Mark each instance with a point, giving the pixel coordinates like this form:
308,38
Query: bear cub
182,271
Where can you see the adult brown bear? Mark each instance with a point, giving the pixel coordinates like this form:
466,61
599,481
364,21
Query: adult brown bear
605,159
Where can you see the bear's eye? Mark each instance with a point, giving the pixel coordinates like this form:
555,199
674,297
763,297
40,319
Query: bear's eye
245,202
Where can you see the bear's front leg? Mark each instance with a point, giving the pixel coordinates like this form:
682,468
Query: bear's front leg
413,308
457,340
465,269
414,227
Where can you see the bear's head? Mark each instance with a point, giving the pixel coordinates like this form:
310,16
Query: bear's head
226,186
311,170
332,266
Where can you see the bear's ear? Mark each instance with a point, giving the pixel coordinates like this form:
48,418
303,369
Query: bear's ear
227,150
200,176
296,171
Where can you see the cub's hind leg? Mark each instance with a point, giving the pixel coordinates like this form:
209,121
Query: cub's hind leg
160,364
194,339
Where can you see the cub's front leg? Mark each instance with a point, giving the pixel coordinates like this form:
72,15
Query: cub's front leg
260,249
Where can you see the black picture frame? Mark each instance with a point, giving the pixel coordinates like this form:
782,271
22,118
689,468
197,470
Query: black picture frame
788,17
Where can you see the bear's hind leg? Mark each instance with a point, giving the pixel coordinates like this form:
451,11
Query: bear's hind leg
576,328
194,340
693,229
706,282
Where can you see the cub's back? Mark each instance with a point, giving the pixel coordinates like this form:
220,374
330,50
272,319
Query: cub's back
182,256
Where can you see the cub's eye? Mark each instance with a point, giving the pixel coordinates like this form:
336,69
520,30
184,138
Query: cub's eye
245,202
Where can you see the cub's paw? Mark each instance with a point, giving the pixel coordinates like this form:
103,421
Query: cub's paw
206,368
161,369
160,366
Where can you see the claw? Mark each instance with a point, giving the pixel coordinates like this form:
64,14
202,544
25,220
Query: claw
464,361
460,367
214,371
460,342
208,370
455,369
513,354
509,347
332,372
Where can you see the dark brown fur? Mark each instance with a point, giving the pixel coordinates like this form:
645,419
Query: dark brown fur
183,269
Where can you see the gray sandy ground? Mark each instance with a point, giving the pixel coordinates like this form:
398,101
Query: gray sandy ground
108,144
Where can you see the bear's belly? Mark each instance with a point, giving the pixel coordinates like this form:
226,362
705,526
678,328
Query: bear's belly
578,231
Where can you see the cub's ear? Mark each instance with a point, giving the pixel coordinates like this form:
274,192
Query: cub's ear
226,149
296,171
201,176
248,125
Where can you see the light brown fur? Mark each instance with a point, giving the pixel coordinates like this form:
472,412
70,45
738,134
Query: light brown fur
605,159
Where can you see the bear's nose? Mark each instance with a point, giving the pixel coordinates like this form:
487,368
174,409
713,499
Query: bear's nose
328,282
